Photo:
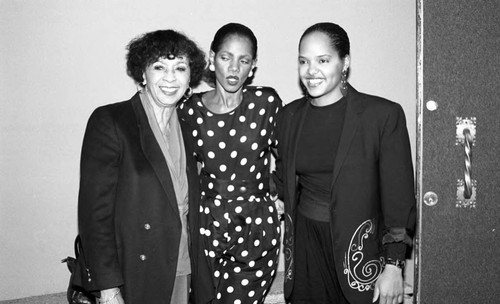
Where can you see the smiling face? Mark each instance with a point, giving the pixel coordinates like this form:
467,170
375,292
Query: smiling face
233,61
167,80
320,68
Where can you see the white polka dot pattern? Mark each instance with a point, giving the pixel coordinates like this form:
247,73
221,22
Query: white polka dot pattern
240,234
251,126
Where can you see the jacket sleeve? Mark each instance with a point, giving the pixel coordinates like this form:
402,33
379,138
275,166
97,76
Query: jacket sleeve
274,187
99,168
278,149
397,184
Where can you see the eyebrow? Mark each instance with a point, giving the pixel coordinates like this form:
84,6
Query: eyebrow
182,59
324,55
247,56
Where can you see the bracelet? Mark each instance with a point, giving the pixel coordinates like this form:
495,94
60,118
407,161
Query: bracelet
106,301
398,263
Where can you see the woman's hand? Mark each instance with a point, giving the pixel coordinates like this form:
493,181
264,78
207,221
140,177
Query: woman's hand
280,207
389,286
111,296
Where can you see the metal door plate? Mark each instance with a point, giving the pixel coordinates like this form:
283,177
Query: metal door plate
463,202
462,124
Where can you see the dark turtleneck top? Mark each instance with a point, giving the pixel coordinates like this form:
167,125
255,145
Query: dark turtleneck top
318,143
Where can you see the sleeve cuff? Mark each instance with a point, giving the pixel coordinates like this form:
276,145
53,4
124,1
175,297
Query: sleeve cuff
395,251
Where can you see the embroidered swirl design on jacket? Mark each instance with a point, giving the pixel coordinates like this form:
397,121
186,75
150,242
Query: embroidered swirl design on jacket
361,275
288,247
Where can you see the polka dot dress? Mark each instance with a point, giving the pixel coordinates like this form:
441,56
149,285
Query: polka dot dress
239,225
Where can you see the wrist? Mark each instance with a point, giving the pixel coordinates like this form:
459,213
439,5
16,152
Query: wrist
108,295
395,262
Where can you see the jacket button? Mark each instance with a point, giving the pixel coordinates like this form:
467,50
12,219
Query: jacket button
147,226
142,257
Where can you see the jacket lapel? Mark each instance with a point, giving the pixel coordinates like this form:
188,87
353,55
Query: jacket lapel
300,114
188,149
351,123
191,170
153,153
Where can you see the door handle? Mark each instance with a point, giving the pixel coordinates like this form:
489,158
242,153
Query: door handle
468,163
466,137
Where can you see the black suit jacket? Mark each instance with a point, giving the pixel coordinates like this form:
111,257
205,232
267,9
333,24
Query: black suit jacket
372,195
128,216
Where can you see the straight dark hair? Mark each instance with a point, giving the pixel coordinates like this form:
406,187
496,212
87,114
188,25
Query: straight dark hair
337,35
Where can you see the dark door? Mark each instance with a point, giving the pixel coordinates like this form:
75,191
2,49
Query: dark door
458,246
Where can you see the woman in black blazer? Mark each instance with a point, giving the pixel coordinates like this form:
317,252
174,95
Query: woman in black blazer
138,180
344,172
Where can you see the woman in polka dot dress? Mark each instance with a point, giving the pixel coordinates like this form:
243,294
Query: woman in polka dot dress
233,131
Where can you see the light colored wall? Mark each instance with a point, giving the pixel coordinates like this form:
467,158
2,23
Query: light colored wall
61,59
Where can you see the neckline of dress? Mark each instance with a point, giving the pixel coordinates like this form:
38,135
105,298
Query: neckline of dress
232,112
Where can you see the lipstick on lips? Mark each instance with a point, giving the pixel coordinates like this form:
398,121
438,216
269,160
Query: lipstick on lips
314,82
232,80
169,90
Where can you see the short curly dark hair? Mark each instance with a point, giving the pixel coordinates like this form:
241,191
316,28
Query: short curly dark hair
149,47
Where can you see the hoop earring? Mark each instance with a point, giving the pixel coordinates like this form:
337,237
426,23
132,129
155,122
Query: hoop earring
188,93
211,67
343,83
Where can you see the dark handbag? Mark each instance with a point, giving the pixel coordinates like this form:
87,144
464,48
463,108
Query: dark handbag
77,294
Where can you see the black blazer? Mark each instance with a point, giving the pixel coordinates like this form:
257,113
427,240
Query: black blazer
128,216
372,190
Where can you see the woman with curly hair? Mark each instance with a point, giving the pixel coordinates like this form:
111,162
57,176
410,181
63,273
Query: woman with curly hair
138,180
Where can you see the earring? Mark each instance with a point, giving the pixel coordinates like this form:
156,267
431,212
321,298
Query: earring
144,83
188,93
343,83
250,74
211,67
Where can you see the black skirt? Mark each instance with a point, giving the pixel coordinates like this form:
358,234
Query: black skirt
315,280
